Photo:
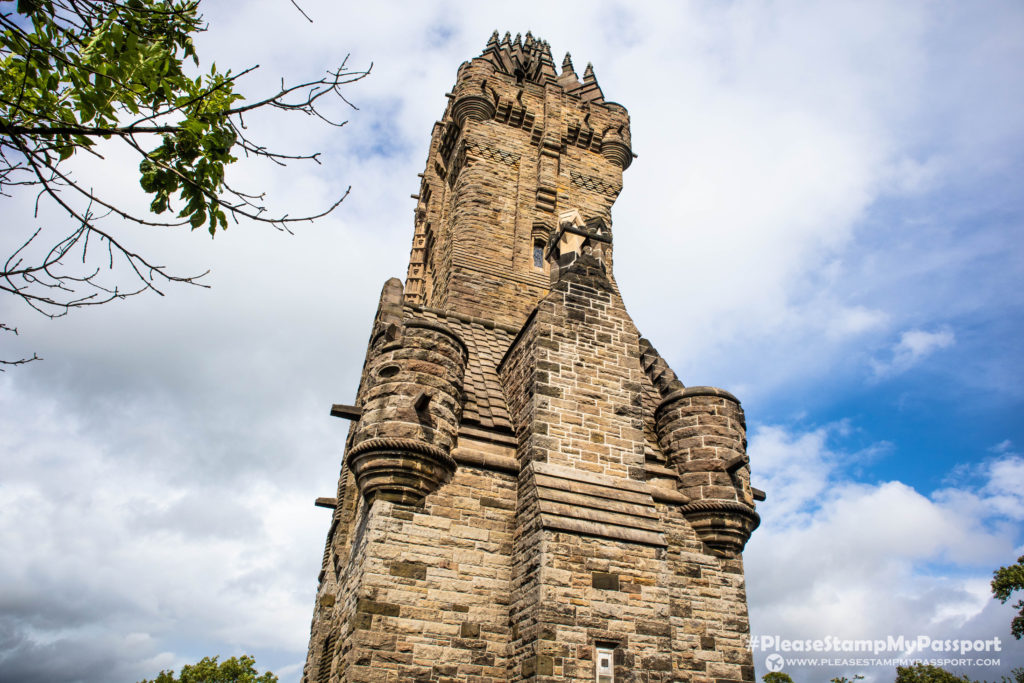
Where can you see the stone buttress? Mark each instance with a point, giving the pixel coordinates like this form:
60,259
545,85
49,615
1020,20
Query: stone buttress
528,491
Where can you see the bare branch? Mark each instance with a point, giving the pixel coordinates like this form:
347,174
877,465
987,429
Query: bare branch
335,79
301,11
20,361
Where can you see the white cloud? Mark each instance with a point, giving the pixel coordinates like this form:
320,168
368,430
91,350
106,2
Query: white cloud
909,176
1001,494
855,320
913,347
916,344
839,557
1003,446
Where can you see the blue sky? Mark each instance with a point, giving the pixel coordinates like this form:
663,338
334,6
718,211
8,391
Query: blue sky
825,218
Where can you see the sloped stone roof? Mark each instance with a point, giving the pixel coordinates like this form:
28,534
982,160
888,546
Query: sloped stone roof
658,382
487,343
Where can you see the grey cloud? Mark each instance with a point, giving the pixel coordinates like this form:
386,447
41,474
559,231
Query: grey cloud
61,661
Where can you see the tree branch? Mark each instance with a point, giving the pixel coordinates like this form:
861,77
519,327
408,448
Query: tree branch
20,361
81,71
46,131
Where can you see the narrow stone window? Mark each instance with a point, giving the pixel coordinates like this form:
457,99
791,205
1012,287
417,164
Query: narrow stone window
538,254
323,674
604,664
428,254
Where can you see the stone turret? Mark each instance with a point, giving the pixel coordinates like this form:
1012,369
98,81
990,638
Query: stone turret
412,406
702,430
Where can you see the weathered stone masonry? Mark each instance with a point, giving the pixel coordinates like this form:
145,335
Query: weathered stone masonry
526,484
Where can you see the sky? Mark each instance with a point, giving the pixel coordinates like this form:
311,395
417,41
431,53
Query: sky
825,217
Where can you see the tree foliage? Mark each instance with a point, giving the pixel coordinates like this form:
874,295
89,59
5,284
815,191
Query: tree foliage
926,673
1005,581
207,670
75,72
776,677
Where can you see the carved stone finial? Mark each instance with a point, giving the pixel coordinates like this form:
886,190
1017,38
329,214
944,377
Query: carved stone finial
547,64
590,91
390,308
567,64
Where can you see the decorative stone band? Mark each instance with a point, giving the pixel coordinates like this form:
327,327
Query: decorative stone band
594,184
399,470
690,392
473,107
480,150
724,526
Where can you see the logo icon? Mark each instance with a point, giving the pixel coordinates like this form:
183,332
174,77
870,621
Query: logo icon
774,662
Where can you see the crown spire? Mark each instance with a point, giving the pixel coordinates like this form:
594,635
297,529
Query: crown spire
591,91
568,78
567,64
547,64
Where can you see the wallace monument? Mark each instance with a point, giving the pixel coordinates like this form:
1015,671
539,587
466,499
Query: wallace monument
528,492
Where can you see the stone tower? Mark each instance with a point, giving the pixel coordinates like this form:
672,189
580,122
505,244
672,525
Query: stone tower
528,491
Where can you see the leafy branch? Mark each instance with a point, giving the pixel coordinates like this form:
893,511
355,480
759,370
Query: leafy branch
73,72
1005,582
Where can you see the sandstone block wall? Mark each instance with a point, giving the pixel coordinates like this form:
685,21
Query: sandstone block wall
421,593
